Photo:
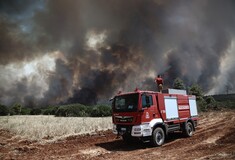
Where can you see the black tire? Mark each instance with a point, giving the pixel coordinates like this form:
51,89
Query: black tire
188,131
158,137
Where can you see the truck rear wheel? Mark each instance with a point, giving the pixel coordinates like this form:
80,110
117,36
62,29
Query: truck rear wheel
158,137
188,129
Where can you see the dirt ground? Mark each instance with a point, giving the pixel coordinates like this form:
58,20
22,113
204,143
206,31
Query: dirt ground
213,139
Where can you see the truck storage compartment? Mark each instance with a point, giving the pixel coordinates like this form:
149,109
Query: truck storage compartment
171,107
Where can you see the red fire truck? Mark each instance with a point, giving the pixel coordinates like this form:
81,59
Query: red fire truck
150,115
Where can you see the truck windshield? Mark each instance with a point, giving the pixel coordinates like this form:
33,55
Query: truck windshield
126,103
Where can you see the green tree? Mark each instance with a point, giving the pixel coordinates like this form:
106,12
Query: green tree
72,110
36,111
202,105
210,103
25,111
101,111
178,84
79,110
16,109
3,110
50,110
196,90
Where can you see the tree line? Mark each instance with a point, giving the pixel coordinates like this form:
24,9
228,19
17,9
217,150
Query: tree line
70,110
204,103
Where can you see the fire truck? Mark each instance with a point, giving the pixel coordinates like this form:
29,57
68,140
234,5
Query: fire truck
150,116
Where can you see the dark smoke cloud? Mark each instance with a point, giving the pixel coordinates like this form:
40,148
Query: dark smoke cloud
11,47
83,96
17,41
186,39
201,33
60,83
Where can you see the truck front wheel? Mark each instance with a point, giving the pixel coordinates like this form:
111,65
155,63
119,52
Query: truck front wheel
158,137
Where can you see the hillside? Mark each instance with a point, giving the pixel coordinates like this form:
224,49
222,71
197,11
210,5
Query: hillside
226,99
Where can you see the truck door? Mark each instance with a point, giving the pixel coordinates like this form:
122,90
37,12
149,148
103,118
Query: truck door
147,107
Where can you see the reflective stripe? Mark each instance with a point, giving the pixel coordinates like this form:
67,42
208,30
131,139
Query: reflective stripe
154,121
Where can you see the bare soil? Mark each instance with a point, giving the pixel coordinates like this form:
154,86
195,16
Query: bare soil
214,139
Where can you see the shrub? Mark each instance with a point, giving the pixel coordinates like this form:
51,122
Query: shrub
3,110
25,111
79,110
201,103
16,109
51,110
72,110
210,102
101,111
36,111
61,112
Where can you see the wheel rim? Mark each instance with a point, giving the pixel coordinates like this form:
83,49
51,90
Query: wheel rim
159,137
190,129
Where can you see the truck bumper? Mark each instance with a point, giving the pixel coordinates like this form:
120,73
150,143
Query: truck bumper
142,130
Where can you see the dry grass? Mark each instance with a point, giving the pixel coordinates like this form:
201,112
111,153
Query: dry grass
44,127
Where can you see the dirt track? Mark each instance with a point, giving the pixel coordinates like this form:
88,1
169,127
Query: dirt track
213,139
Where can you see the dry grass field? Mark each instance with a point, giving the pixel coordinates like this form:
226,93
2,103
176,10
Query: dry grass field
50,127
214,139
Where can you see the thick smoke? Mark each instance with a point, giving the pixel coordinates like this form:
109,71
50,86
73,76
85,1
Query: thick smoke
97,48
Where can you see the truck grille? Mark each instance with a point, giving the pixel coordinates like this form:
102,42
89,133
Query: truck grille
124,119
124,129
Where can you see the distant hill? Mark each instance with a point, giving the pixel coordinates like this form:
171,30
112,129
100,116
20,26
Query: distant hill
226,99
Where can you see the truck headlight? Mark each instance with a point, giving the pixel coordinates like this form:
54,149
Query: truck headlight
137,129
